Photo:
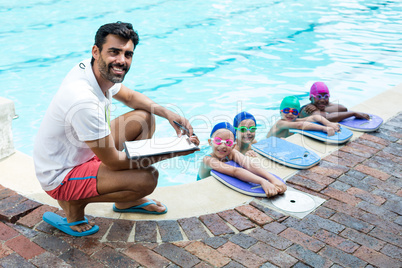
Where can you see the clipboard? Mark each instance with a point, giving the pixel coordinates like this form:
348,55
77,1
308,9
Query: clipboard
158,146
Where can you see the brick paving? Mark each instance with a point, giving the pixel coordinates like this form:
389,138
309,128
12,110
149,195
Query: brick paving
359,224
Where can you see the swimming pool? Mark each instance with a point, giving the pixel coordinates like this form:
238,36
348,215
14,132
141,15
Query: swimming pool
207,60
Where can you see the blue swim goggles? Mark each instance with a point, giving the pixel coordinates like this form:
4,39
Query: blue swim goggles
290,110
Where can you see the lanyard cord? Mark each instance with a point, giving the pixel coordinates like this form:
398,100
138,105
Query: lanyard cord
107,116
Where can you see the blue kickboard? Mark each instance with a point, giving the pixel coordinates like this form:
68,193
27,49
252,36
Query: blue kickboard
363,125
340,137
247,188
286,153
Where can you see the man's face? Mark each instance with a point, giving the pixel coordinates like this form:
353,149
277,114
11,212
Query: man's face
114,60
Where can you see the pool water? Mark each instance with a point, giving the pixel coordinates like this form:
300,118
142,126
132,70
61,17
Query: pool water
207,60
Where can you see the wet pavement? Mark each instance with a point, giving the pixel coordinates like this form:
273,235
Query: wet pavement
358,225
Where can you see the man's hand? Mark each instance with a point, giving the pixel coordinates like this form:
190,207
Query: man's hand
185,125
194,139
147,161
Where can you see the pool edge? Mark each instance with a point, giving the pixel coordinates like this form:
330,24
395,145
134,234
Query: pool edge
193,199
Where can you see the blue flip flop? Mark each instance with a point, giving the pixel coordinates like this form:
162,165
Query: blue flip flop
61,223
140,209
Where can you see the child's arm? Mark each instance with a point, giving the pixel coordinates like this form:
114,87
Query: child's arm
335,108
241,174
251,153
333,112
339,116
204,170
254,166
324,121
272,131
308,110
304,124
278,131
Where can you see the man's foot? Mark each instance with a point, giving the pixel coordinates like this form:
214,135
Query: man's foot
61,223
74,211
154,206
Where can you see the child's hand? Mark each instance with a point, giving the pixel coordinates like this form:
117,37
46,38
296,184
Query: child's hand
330,131
362,116
280,186
251,153
335,126
269,188
310,108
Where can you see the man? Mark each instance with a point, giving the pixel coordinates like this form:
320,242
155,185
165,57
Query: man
77,152
319,97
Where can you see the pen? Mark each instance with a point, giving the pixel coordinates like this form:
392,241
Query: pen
183,128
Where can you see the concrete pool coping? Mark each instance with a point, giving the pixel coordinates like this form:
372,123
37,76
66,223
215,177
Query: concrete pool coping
196,198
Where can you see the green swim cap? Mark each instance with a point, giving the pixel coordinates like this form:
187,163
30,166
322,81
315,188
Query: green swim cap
290,102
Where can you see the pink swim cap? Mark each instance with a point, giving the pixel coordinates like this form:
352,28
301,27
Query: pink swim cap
318,88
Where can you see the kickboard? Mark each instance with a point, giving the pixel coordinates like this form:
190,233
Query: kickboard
286,153
247,188
362,125
340,137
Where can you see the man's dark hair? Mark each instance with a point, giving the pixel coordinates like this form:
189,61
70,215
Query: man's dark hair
122,29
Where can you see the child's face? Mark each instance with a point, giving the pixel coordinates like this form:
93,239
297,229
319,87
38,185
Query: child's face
289,115
247,136
225,137
320,101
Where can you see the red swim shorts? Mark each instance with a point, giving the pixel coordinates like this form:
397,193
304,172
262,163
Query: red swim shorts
79,183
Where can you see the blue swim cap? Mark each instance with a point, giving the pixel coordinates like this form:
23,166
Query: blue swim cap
243,116
224,125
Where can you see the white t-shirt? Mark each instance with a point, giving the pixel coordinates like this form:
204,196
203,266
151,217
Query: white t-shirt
76,114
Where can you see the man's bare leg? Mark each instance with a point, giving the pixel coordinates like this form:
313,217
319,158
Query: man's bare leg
126,188
134,125
139,183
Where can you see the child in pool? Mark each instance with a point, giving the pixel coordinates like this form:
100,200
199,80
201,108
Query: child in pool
222,143
319,97
290,108
245,126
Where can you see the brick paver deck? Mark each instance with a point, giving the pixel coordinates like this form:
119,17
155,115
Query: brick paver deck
359,224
